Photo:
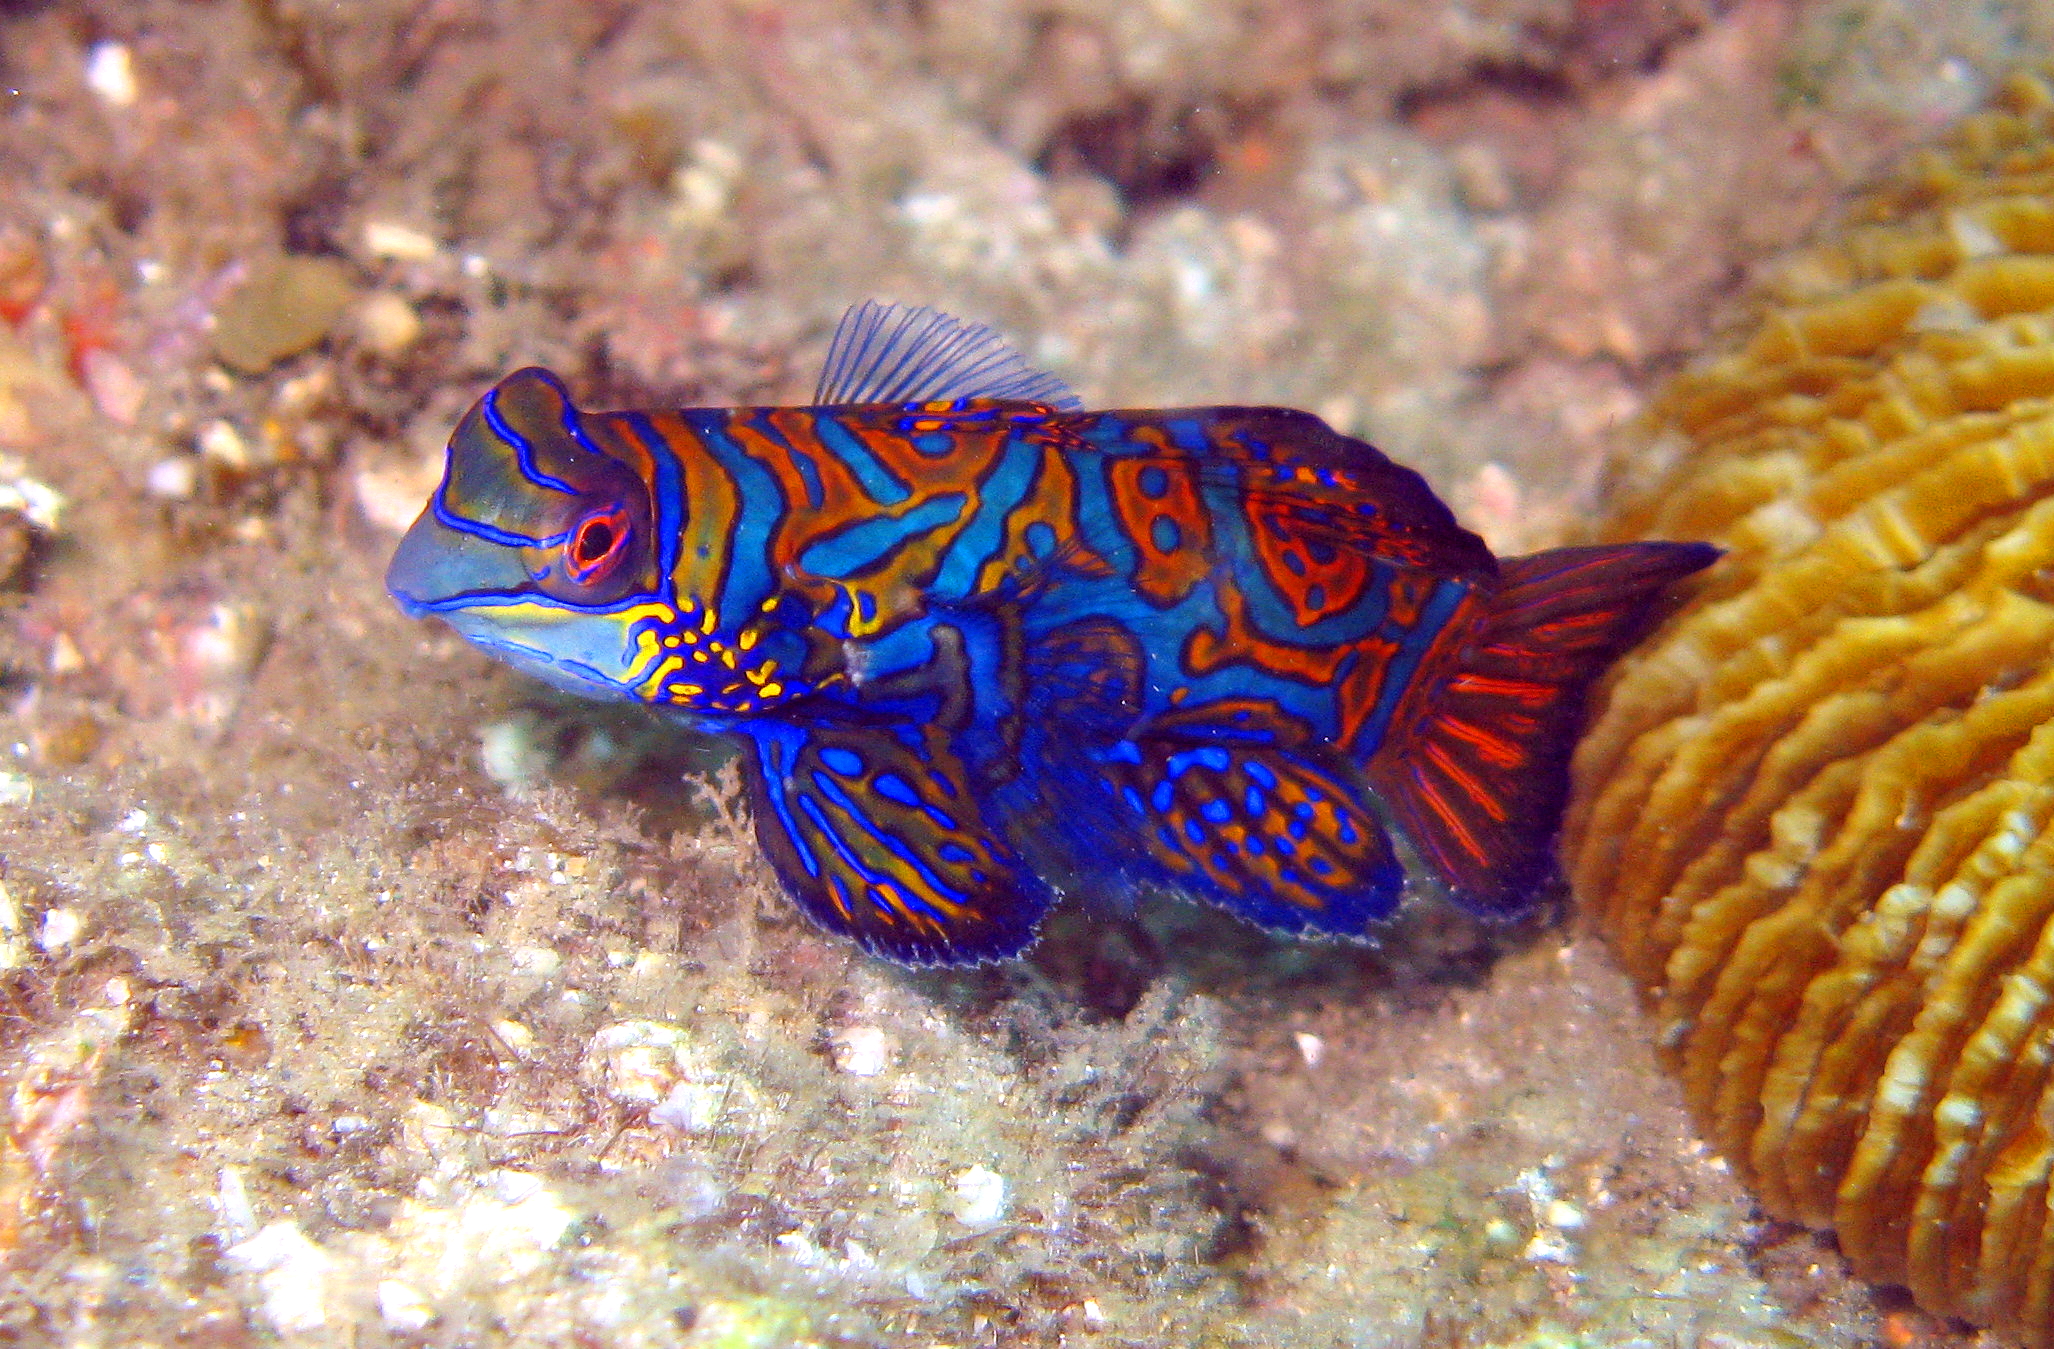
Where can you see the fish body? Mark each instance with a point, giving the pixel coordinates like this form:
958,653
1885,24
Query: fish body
985,646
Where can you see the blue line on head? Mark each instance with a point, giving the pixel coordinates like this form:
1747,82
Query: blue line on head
573,423
524,452
666,494
478,529
477,599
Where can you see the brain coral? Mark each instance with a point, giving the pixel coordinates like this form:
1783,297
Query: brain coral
1816,816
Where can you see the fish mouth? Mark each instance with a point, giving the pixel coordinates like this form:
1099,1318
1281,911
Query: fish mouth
487,598
436,569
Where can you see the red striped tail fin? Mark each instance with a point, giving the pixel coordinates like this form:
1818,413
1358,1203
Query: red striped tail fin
1477,768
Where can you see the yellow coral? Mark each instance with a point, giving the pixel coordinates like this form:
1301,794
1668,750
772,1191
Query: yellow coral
1816,814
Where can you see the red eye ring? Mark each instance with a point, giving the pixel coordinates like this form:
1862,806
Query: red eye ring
596,545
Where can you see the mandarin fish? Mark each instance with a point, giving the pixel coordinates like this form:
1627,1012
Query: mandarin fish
983,647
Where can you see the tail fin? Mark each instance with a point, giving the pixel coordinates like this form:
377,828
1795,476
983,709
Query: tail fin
1479,775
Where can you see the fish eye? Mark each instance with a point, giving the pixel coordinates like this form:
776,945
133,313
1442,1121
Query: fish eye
596,544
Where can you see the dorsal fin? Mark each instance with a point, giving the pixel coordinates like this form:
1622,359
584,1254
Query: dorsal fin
892,353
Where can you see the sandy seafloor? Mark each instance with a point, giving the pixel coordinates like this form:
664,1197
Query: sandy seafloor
355,991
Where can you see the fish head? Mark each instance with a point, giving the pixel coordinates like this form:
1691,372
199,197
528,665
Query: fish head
539,545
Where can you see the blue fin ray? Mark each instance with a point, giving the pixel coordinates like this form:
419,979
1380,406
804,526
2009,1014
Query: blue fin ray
890,353
875,831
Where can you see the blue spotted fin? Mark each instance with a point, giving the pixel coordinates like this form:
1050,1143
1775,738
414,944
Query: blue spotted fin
889,353
874,831
1235,809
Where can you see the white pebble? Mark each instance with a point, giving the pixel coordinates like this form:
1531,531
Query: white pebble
1310,1048
60,929
403,1310
293,1273
173,479
509,755
391,495
401,243
980,1197
387,323
111,73
862,1051
224,445
516,1037
13,950
38,502
65,657
232,1205
541,961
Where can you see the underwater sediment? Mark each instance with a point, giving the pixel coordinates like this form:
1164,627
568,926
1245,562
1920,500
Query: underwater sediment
1816,817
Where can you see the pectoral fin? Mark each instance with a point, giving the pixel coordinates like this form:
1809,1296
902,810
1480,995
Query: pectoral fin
875,832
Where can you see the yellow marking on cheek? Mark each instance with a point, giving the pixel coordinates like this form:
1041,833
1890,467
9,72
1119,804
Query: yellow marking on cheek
727,658
648,687
748,639
645,653
773,690
527,612
710,621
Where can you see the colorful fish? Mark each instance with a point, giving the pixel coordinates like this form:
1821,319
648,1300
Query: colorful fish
983,646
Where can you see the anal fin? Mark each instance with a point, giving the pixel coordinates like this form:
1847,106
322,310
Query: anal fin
874,831
1232,803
